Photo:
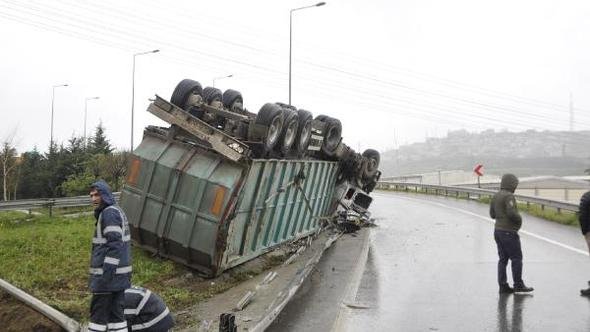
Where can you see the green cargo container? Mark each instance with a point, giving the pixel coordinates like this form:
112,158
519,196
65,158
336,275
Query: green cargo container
193,205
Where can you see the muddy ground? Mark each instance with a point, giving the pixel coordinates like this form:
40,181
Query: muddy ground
18,317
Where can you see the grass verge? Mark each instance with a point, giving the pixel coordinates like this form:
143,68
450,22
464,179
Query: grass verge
49,258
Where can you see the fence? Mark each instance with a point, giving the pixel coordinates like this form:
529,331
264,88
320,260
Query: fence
49,203
474,193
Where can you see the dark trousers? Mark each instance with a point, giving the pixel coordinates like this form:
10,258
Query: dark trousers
508,243
107,312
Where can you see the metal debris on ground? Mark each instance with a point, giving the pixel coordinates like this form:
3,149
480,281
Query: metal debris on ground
268,278
227,323
245,300
350,221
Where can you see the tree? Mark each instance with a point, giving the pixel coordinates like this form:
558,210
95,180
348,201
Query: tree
99,142
115,168
33,175
8,162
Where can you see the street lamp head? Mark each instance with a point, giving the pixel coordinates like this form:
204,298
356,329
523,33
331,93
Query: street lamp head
320,4
155,51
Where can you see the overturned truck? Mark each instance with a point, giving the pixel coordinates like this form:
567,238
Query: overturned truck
221,185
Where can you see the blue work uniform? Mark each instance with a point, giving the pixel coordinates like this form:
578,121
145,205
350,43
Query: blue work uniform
110,264
146,311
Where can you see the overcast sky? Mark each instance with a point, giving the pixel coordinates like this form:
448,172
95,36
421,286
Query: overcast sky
393,72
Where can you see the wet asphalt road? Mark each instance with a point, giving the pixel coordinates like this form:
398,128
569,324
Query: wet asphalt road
432,267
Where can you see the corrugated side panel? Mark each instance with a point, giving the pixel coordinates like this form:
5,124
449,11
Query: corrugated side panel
272,209
175,197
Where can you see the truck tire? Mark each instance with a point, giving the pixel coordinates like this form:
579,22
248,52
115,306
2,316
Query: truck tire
183,90
271,116
211,94
371,159
303,132
287,106
343,152
230,97
332,134
321,117
289,131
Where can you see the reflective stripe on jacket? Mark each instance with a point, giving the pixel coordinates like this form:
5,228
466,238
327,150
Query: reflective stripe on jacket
110,263
145,311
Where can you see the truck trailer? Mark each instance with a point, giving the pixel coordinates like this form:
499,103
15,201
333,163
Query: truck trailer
221,186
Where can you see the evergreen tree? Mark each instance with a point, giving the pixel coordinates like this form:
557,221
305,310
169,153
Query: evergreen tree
32,182
99,142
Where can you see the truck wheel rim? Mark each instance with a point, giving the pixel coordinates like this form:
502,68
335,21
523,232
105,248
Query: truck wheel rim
290,135
305,136
273,131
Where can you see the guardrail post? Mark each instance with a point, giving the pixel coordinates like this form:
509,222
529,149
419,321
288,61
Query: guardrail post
559,210
542,207
467,195
50,210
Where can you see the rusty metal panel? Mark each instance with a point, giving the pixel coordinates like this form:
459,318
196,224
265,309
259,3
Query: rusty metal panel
175,207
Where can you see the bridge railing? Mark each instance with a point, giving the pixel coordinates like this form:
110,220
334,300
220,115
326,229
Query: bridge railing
49,203
474,193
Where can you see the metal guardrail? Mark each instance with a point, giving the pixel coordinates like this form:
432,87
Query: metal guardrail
58,317
475,192
50,203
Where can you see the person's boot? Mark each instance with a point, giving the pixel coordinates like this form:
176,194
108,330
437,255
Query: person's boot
522,288
585,292
506,289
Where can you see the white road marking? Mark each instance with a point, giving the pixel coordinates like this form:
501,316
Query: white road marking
537,236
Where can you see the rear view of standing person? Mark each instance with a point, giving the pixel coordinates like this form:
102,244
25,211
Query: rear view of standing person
110,262
584,218
503,208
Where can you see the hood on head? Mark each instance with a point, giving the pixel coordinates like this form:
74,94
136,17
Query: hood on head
509,182
105,192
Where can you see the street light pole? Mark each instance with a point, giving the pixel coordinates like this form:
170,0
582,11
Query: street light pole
291,38
218,78
52,104
133,90
85,112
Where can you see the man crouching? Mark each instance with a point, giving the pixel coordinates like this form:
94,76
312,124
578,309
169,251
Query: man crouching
110,262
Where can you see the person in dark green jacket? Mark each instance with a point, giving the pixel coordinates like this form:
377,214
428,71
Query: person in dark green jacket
503,208
584,218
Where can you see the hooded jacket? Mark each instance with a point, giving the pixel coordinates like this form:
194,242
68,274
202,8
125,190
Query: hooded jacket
503,206
146,311
110,262
584,213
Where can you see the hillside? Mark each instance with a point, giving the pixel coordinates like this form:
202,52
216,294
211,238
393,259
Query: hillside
523,153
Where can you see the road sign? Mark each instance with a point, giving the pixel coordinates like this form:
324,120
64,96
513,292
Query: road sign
478,169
